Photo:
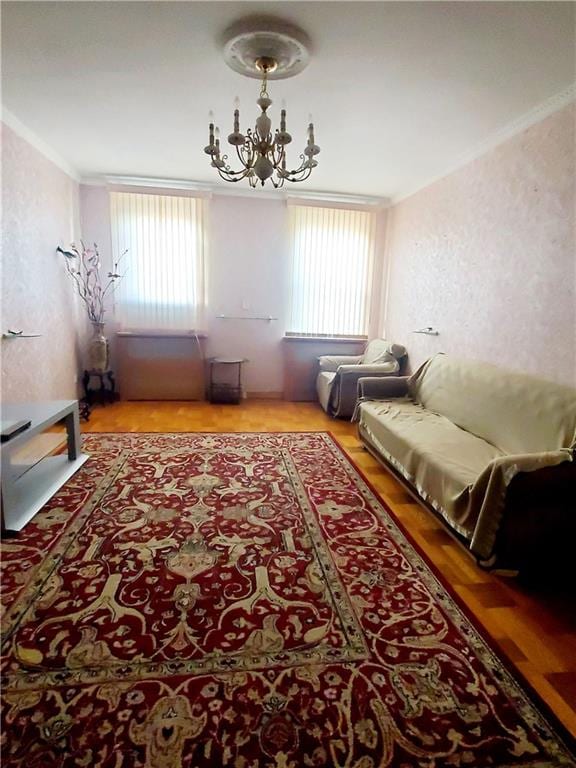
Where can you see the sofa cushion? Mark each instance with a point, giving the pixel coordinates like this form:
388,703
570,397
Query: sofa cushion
516,412
441,460
324,387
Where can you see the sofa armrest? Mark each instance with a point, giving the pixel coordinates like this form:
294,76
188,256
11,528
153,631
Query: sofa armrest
538,528
379,388
333,362
374,369
488,494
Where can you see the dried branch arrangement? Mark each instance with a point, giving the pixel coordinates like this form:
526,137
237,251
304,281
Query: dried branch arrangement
83,265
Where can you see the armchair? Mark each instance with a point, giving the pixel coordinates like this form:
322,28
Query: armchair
337,380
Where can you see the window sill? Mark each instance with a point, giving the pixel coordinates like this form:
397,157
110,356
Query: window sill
162,334
330,339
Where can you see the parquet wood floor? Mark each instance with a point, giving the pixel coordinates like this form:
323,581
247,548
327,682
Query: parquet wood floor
534,626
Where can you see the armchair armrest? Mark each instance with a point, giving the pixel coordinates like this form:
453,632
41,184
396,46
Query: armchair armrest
333,362
376,388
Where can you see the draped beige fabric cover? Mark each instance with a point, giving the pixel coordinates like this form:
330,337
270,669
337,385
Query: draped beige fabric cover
324,387
465,431
516,412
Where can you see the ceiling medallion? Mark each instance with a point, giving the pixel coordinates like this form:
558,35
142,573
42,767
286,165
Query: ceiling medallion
273,53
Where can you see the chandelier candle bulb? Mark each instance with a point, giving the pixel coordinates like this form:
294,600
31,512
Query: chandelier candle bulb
209,149
236,139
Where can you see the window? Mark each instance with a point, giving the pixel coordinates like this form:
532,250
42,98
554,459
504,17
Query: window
163,287
332,255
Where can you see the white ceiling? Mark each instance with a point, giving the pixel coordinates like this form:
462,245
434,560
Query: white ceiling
399,91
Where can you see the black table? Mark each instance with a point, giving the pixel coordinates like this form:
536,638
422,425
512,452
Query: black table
229,390
104,392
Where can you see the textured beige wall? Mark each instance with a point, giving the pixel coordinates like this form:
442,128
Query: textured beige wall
487,256
39,212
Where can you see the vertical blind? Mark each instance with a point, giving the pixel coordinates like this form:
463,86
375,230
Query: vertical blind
332,257
164,284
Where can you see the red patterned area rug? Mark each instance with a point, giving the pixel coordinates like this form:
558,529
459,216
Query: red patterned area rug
242,600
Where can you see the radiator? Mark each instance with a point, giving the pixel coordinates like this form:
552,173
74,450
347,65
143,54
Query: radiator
158,366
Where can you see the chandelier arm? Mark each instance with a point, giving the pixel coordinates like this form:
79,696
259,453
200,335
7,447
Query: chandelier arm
276,156
239,175
302,167
252,150
232,176
271,156
246,156
301,173
240,154
229,172
304,175
303,161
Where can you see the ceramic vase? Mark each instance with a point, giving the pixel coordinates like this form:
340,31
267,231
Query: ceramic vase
98,351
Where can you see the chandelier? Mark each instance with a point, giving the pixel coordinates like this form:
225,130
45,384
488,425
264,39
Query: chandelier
261,151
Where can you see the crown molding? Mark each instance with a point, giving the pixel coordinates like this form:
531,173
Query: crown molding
22,130
316,198
214,189
535,115
135,183
149,181
204,188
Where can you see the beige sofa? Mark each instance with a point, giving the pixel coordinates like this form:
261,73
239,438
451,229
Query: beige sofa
491,451
337,380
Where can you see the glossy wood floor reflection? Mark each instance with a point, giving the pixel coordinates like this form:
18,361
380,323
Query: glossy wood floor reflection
534,626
